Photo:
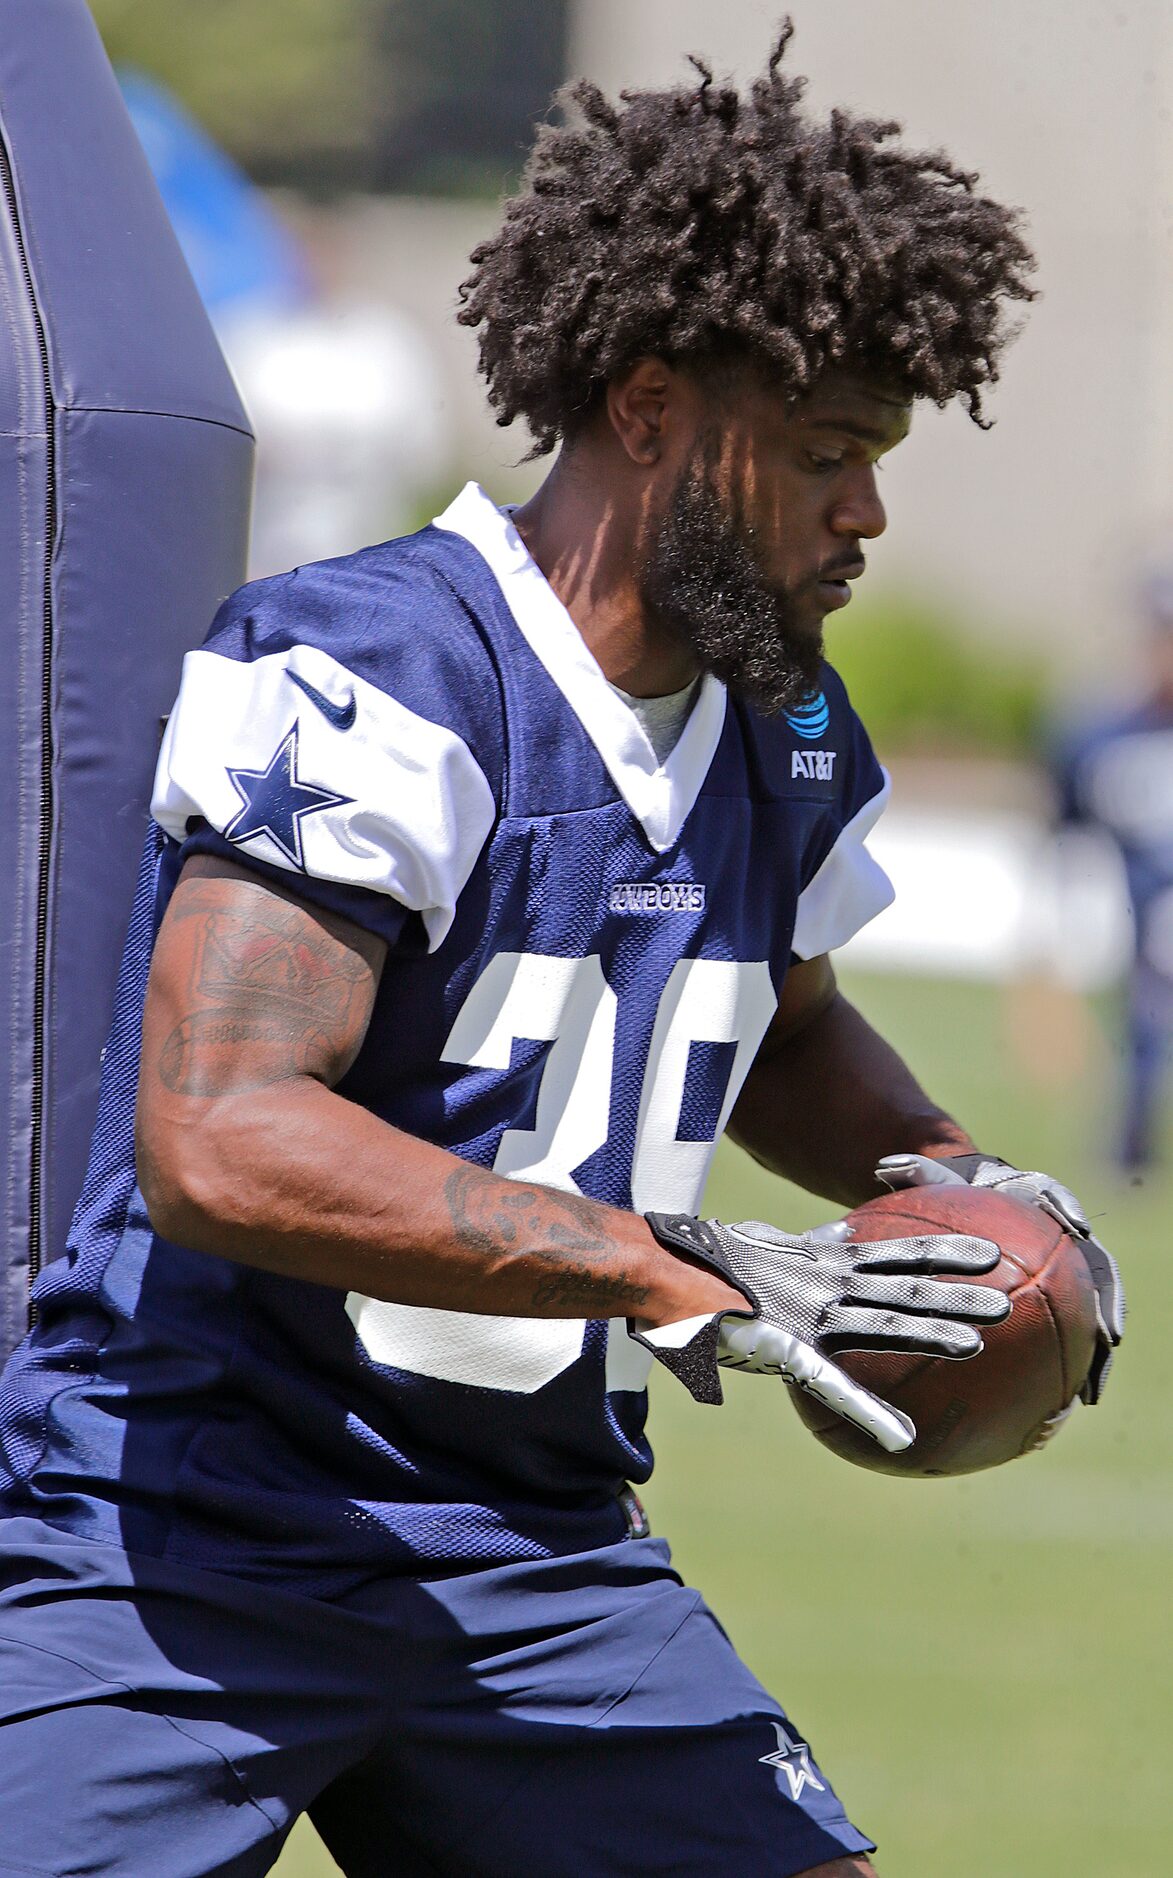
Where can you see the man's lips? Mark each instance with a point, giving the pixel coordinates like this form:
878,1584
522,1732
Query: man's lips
832,581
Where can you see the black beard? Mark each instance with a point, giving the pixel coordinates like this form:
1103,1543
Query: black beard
701,581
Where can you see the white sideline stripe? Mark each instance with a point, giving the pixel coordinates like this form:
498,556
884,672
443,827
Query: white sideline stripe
989,894
420,806
659,795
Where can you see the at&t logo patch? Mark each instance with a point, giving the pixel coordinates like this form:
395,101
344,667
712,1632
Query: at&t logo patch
810,718
669,896
815,765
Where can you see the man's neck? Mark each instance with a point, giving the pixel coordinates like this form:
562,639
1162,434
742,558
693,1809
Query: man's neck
585,537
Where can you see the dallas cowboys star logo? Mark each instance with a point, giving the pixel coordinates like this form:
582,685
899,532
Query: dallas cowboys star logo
793,1758
274,799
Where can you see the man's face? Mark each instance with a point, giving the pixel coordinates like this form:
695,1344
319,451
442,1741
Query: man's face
761,526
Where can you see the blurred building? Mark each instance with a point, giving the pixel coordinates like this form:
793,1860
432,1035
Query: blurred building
345,395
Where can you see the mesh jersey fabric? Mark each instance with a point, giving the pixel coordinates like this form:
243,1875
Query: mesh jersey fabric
585,948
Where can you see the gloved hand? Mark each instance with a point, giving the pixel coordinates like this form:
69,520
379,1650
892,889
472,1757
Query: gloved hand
811,1295
986,1170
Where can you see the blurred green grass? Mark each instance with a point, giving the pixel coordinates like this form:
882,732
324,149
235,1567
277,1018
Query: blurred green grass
984,1665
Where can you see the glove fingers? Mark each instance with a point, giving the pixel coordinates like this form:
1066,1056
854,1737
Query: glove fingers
852,1327
766,1348
927,1252
834,1232
1036,1189
1109,1289
1065,1202
833,1386
754,1344
915,1170
1092,1387
977,1303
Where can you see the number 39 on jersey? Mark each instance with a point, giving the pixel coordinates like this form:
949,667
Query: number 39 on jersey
569,1004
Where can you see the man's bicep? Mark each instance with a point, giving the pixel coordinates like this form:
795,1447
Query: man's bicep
250,986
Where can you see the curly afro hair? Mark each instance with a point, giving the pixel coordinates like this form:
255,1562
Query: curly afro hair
700,224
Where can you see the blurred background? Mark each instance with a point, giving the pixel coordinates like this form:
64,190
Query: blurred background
984,1665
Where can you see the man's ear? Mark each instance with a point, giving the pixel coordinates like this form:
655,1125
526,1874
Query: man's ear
640,406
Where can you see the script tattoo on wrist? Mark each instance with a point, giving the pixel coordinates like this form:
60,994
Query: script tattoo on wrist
490,1215
590,1293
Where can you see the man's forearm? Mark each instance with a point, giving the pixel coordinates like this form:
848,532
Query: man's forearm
822,1106
295,1179
256,1009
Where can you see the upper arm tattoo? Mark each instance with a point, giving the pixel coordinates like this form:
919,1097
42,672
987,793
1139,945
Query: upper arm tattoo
272,989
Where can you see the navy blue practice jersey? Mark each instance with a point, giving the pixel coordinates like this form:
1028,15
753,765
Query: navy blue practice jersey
585,948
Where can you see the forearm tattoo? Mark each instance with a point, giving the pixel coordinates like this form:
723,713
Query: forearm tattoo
559,1230
273,992
586,1293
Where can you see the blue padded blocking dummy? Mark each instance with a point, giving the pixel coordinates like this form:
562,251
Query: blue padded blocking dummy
125,481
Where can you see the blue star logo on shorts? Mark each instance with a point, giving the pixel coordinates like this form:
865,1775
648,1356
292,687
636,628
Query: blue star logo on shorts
275,799
793,1758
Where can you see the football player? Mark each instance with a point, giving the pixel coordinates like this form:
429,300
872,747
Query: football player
494,875
1113,772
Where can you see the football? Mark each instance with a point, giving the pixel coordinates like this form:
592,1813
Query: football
986,1409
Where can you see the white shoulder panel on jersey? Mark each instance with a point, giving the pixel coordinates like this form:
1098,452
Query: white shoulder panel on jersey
849,889
659,795
302,764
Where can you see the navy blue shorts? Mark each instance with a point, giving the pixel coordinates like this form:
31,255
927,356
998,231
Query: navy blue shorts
576,1716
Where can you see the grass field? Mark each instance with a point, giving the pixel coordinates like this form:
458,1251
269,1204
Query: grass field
984,1665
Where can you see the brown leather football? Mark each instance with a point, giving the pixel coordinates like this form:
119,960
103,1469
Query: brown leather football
982,1410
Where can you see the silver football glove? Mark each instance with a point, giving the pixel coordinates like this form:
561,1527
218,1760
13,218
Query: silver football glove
811,1295
986,1170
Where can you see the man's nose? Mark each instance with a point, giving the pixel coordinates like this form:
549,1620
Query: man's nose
859,510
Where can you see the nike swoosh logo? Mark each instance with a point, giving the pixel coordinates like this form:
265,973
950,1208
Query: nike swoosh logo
342,716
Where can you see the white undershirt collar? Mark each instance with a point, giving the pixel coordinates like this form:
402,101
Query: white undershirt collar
663,718
660,796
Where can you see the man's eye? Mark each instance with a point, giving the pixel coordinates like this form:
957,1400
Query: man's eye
824,462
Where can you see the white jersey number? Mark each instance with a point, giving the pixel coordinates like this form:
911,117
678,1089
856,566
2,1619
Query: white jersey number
569,1004
565,1002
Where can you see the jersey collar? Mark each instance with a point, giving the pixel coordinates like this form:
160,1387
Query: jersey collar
660,796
